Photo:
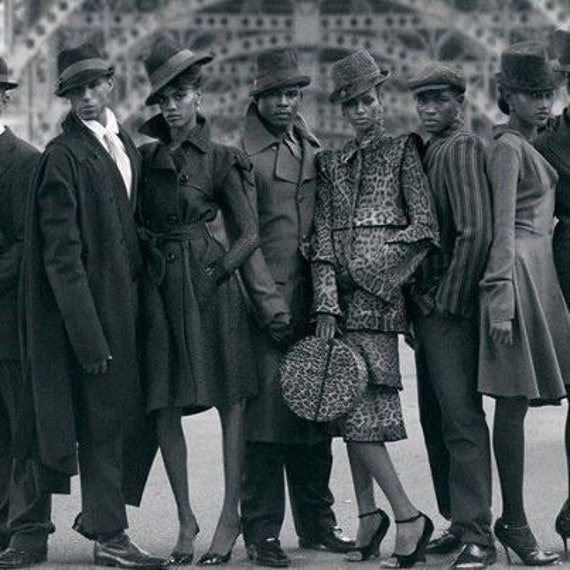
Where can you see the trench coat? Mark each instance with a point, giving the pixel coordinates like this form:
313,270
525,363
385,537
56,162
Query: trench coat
284,202
79,299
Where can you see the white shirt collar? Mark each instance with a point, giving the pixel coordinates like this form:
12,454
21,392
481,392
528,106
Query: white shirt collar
99,129
2,128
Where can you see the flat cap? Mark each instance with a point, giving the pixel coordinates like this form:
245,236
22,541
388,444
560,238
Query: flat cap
437,75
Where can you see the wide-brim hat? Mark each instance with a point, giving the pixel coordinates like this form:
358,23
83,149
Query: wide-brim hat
5,80
277,68
80,66
525,67
321,379
561,45
167,60
354,75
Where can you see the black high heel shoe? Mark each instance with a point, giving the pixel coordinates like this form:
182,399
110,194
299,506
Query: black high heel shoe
419,553
372,549
214,559
177,558
522,542
562,525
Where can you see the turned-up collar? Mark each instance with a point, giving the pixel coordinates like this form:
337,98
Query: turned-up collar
157,128
355,144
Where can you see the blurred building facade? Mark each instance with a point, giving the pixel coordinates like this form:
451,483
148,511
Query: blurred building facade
400,33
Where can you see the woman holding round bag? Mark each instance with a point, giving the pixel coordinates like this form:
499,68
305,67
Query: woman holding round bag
196,327
525,325
374,224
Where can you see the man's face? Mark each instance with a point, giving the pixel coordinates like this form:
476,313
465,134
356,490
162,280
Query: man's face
89,101
438,108
279,107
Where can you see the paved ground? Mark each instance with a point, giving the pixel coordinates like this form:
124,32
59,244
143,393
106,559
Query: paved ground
153,526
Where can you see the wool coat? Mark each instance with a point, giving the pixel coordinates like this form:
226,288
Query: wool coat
18,161
284,202
79,291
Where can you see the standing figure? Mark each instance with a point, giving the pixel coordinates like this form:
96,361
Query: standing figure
554,145
282,150
81,265
374,224
445,311
24,510
198,352
525,325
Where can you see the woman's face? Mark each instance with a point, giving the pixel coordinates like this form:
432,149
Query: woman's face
364,111
179,105
532,108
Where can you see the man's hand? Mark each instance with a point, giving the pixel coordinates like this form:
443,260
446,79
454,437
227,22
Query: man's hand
280,331
502,332
98,367
326,326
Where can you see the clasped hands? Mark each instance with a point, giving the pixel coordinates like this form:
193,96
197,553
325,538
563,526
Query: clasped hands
502,332
100,367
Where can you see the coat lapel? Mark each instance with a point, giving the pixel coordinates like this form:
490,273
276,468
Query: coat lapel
7,146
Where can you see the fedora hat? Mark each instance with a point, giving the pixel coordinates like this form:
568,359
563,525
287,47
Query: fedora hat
525,67
355,74
4,79
275,68
166,60
80,66
561,45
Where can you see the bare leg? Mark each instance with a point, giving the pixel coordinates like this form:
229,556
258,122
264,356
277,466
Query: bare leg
229,527
173,449
375,458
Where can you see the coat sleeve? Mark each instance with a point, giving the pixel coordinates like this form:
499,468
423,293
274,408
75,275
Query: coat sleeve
58,215
497,292
469,199
325,291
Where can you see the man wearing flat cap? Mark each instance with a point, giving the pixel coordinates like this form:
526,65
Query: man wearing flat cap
81,263
445,310
282,150
24,510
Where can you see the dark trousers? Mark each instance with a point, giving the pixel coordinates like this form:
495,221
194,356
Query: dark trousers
453,421
24,511
308,469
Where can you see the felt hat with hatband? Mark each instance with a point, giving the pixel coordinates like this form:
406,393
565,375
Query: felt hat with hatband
277,68
5,80
561,44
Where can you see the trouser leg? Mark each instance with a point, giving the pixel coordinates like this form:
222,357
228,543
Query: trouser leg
308,469
451,349
263,491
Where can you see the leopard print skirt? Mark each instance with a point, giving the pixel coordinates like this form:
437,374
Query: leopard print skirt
377,417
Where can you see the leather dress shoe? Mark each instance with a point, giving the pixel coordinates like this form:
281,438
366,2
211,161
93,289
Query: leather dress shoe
14,558
331,539
445,543
475,557
121,552
268,552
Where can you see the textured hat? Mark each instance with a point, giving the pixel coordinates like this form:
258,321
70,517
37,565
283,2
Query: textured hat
80,66
437,75
4,79
277,68
355,74
167,60
322,379
525,67
561,44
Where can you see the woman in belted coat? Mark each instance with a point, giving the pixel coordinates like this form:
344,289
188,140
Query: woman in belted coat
197,347
374,223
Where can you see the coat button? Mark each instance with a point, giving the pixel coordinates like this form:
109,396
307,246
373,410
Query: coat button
183,178
170,257
172,219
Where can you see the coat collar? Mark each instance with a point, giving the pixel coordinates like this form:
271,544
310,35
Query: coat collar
7,146
355,144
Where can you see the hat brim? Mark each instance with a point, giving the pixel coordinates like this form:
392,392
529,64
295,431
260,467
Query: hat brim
556,79
83,78
8,84
562,68
436,87
346,93
176,70
262,85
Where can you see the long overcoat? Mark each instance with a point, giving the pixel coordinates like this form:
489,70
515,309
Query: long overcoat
79,290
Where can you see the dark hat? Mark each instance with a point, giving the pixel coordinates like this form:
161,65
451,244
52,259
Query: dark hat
525,67
322,379
561,44
437,75
4,80
79,66
166,60
277,67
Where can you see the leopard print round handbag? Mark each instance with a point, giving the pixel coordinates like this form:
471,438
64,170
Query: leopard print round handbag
322,379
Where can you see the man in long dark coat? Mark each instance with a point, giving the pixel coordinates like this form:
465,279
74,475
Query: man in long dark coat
283,153
24,510
81,264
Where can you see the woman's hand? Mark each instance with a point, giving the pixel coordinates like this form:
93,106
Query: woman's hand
502,332
326,326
